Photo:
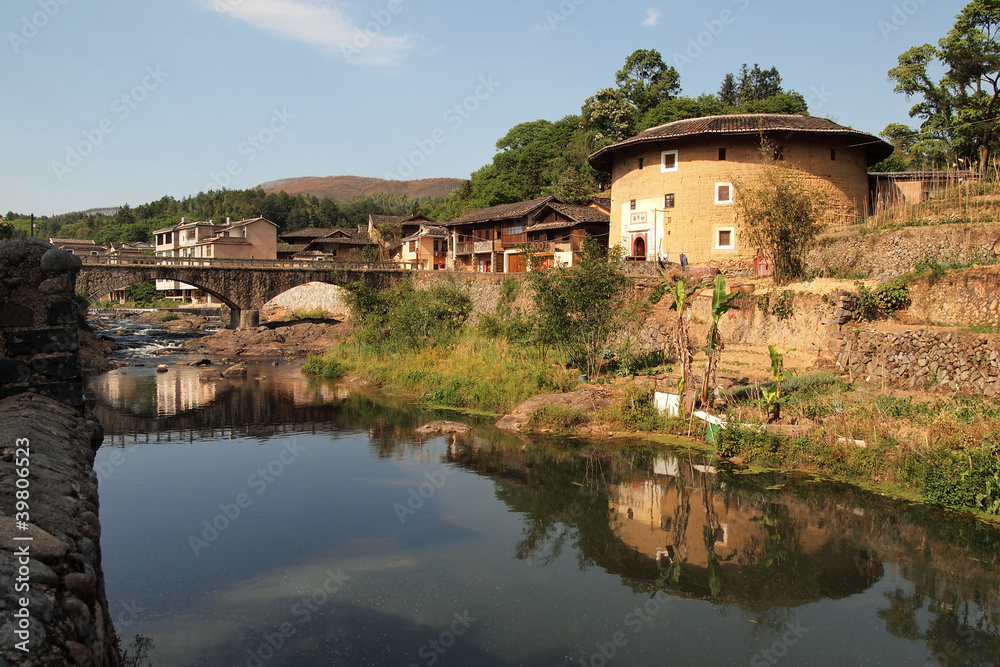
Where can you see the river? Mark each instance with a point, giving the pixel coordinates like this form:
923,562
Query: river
283,520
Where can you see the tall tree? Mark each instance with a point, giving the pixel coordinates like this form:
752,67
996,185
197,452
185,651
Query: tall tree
646,80
972,53
608,117
960,108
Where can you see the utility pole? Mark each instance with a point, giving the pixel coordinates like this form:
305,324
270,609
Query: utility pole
32,224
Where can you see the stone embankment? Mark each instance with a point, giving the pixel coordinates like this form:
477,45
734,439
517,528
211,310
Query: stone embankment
51,585
883,254
58,571
959,298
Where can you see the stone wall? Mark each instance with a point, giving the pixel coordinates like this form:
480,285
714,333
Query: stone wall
924,359
69,622
883,254
483,288
39,330
959,298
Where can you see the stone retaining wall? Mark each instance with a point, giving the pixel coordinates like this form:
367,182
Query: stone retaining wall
959,298
923,359
39,322
69,622
883,254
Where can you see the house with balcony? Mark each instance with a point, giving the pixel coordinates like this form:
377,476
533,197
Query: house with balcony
478,238
426,250
390,230
79,247
255,238
341,244
492,240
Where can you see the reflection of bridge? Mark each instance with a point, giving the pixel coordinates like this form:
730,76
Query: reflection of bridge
244,285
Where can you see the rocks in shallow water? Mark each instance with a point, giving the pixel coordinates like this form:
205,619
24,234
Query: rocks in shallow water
443,427
239,370
162,368
202,362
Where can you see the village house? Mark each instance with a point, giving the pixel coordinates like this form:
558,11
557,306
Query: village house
340,244
426,249
79,247
893,188
491,240
673,186
255,238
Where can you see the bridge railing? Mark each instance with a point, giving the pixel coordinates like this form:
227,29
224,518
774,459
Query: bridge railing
204,262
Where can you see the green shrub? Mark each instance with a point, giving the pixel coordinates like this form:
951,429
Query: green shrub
635,411
169,317
782,306
326,367
884,300
755,446
557,418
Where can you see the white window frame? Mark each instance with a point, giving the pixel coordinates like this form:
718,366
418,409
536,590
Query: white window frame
721,202
663,161
732,238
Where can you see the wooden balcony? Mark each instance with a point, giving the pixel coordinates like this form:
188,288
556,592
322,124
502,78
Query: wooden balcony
465,247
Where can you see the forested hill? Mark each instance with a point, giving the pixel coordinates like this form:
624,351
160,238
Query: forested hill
347,188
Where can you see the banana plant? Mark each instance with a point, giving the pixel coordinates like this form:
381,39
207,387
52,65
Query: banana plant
772,394
682,295
722,302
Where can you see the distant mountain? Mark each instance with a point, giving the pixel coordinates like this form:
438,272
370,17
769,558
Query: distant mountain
343,188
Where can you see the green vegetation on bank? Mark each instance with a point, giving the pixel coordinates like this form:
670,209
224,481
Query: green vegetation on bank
945,451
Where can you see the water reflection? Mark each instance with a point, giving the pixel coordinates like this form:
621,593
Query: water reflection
520,528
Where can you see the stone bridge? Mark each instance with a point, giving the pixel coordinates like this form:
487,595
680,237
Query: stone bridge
244,285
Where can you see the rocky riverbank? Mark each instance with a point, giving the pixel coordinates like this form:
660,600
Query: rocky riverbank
278,340
68,621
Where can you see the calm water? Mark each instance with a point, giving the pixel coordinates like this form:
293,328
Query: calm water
281,521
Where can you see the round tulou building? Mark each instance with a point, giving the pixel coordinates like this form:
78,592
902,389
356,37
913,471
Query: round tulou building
672,186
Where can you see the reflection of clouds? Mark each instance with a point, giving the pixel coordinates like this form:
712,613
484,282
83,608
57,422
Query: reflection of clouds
238,615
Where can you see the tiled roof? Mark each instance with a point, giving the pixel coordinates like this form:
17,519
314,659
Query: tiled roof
431,231
603,202
73,241
288,247
876,148
501,212
581,213
386,219
307,233
345,237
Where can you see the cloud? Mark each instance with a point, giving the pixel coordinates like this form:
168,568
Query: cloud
365,42
652,18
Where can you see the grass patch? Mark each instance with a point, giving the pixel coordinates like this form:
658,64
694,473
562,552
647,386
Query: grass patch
557,418
474,372
169,317
946,451
314,314
982,329
325,366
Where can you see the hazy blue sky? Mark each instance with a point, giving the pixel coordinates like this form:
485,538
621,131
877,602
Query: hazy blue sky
112,101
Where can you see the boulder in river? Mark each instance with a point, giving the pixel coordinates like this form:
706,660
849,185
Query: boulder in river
239,370
162,368
443,427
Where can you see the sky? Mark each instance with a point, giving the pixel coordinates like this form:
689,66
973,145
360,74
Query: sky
108,102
